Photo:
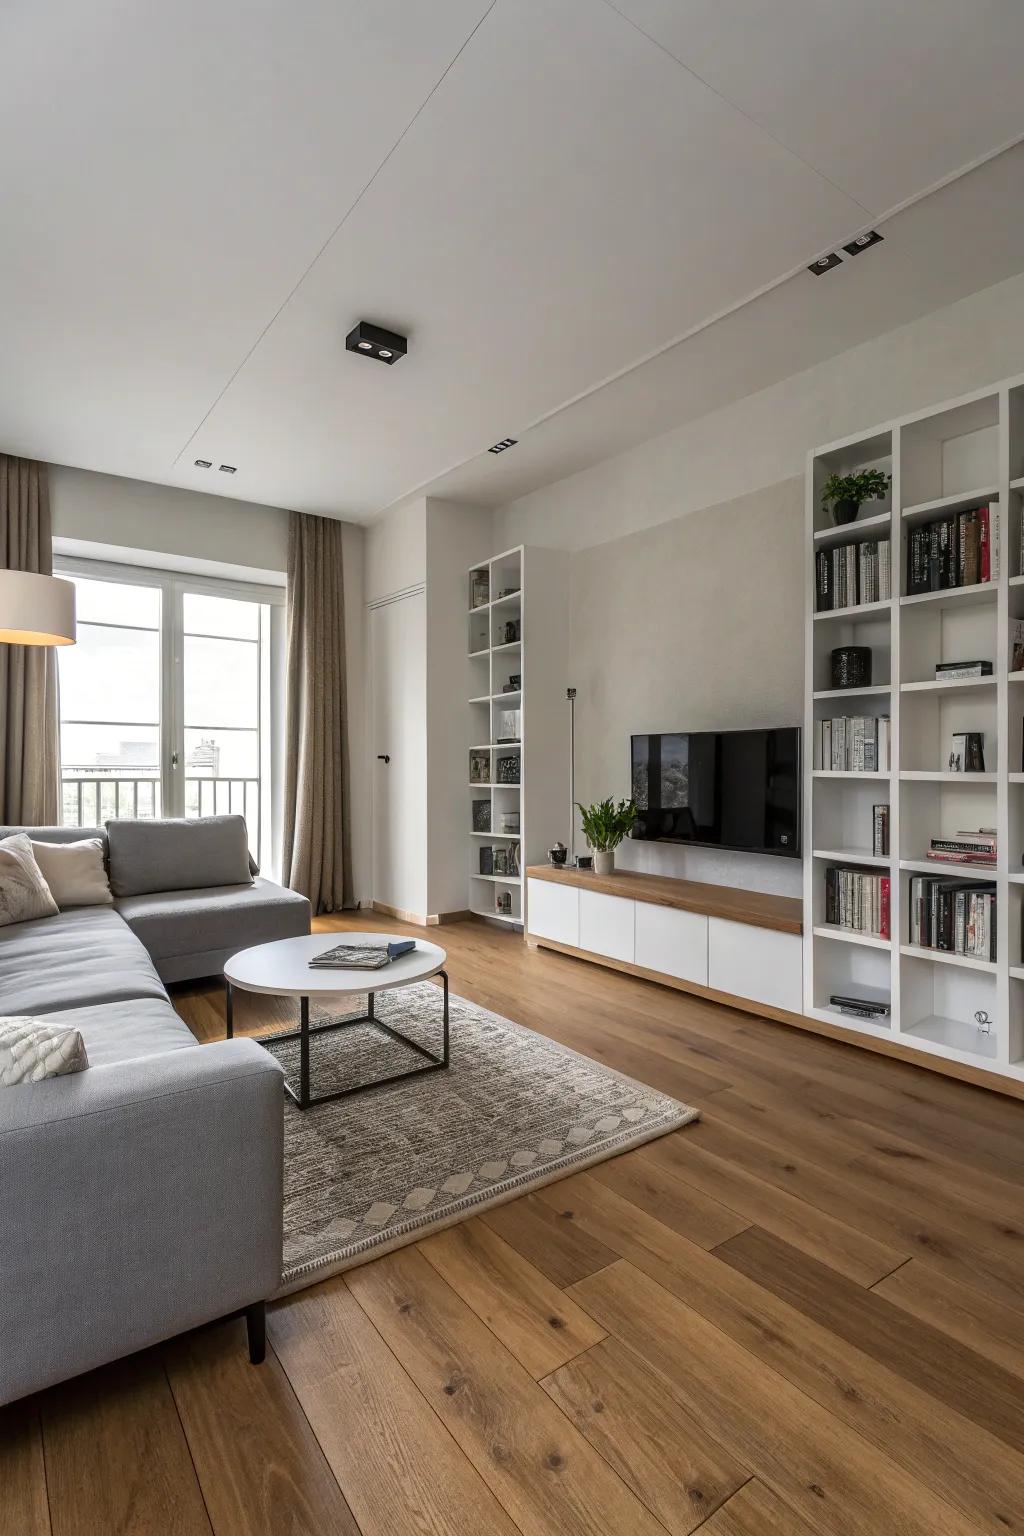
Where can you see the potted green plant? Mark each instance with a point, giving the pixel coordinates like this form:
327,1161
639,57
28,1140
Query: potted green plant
605,824
846,493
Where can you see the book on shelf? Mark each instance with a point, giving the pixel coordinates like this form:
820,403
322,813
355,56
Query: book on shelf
861,1005
953,671
966,752
965,847
880,830
857,900
955,551
852,744
1017,639
956,917
849,575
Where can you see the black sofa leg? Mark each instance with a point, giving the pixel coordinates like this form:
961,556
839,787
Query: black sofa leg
256,1328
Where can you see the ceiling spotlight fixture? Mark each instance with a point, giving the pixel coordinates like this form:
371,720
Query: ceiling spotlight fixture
863,242
228,469
374,341
204,463
825,263
506,442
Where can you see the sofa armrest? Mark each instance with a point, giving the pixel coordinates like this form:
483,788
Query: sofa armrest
137,1200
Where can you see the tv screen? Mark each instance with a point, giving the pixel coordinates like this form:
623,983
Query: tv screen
720,789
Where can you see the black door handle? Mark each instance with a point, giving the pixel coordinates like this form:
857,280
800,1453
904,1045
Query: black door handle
382,757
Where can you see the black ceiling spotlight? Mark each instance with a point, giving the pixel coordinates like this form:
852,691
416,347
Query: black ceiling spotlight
374,341
229,469
506,442
863,242
825,263
204,463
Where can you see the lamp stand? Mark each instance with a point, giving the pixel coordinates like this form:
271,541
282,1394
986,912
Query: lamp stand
570,694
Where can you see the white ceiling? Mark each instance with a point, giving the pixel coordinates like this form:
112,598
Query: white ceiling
201,199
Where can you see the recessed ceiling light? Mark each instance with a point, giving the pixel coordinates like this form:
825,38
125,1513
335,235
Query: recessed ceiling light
825,263
228,469
204,463
374,341
863,242
506,442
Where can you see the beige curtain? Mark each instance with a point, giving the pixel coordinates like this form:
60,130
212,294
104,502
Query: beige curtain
316,835
29,723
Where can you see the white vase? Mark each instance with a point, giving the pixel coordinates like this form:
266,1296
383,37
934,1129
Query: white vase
604,861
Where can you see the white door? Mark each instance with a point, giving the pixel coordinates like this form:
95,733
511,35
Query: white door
399,745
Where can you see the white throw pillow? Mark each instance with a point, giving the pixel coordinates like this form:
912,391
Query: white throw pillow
24,893
74,872
31,1051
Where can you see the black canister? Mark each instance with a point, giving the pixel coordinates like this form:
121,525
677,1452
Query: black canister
851,666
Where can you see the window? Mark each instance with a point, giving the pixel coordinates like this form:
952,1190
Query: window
167,701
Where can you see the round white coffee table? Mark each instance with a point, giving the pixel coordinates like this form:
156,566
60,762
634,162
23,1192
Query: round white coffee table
283,970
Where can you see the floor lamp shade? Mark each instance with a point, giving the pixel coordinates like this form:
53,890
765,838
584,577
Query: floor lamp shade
36,610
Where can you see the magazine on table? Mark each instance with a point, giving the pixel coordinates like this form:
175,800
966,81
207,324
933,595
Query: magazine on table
361,957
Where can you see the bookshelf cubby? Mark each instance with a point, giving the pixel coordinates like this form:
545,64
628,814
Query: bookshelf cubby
956,458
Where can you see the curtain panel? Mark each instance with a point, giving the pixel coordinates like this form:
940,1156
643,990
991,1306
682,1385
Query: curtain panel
315,843
29,714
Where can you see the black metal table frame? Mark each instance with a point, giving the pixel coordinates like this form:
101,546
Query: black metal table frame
304,1033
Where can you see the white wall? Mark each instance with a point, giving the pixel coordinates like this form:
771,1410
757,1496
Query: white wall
112,518
686,598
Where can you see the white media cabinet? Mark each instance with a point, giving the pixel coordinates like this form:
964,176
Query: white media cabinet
743,947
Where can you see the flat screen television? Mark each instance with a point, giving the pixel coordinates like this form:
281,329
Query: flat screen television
720,789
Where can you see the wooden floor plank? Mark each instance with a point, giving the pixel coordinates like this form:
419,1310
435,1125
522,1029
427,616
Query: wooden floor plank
974,1247
400,1470
535,1320
671,1463
23,1504
259,1465
934,1361
558,1248
543,1471
755,1511
637,1177
832,1477
856,1255
958,1312
972,1469
116,1457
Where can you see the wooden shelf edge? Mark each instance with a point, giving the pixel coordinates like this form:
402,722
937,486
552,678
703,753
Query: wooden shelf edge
758,909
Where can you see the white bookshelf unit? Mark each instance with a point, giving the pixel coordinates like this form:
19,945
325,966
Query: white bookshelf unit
526,590
956,457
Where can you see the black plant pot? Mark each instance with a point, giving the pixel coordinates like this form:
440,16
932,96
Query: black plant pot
845,512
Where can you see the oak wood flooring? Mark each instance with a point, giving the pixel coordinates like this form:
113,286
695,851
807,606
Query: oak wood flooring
803,1314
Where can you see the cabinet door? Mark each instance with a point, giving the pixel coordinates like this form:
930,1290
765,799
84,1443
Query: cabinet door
756,963
553,912
673,942
606,925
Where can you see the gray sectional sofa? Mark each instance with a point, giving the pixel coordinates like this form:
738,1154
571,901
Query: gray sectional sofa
142,1196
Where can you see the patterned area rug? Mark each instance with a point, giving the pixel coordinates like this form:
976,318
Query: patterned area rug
514,1111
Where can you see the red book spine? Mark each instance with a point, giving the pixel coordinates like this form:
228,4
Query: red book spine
885,907
986,545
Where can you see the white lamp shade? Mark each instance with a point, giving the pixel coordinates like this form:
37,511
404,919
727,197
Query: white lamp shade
36,610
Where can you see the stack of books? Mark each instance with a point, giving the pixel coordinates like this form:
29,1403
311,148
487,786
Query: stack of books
880,830
965,848
852,743
862,1006
956,551
361,957
848,575
857,900
955,916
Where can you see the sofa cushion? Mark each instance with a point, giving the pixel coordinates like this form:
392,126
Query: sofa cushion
24,893
228,917
177,855
32,1050
58,834
75,872
125,1031
88,955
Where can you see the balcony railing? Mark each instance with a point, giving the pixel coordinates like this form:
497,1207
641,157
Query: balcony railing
90,799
